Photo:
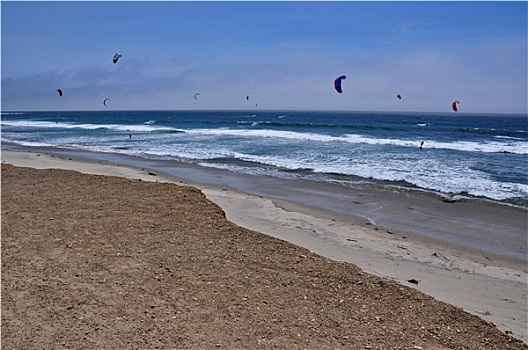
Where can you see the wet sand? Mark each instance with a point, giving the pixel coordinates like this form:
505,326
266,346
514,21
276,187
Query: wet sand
489,230
493,289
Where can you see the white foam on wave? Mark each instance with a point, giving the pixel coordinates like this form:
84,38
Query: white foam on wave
430,175
508,137
500,145
27,143
87,126
157,150
515,147
265,133
348,154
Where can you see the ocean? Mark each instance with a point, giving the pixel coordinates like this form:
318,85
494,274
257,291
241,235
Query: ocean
462,155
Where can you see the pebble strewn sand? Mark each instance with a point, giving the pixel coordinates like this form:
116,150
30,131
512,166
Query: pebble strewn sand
93,261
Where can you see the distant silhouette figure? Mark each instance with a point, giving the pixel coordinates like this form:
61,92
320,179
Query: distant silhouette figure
421,145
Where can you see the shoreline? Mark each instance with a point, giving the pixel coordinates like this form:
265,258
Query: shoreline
447,272
488,230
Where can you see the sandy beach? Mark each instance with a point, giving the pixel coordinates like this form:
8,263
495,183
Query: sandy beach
137,259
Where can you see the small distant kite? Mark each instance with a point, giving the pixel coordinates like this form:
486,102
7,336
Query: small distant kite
59,91
454,105
247,98
398,96
117,56
104,101
337,83
196,95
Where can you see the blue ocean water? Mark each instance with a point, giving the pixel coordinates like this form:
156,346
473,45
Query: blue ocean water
481,155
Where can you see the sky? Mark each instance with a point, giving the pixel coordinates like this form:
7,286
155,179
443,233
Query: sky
283,55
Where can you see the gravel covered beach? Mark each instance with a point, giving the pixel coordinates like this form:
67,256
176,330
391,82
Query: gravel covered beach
92,261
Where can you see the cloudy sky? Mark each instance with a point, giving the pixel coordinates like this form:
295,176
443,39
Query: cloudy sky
284,55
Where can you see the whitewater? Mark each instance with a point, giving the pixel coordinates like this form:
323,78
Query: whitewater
462,155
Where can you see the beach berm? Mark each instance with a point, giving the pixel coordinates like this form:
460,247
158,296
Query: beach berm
104,262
